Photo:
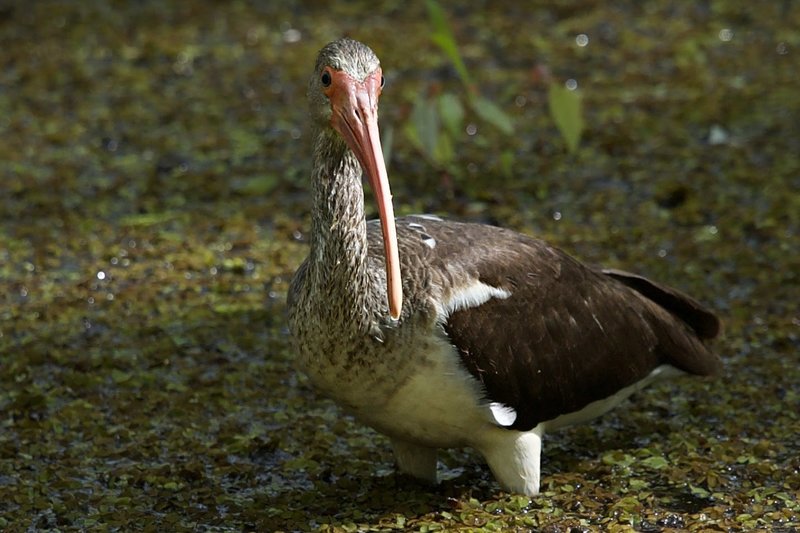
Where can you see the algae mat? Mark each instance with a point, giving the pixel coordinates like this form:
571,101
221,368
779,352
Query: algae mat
154,203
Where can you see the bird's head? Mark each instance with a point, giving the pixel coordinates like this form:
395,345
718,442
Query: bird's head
343,95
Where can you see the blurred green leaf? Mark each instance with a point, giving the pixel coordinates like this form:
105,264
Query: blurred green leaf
507,163
424,129
257,185
565,108
387,143
452,112
444,151
423,126
443,37
488,111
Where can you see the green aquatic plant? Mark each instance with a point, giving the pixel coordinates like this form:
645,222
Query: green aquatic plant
437,120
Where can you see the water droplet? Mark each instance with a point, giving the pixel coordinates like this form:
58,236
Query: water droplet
101,275
29,267
90,300
582,40
725,34
472,129
114,260
292,35
571,84
557,215
662,253
109,296
213,271
717,135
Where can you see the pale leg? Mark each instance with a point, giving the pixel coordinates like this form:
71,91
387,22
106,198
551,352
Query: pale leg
514,458
415,460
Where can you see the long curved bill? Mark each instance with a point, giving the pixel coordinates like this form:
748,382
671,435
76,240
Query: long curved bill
355,117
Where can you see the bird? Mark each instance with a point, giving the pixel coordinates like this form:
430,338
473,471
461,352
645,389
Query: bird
445,334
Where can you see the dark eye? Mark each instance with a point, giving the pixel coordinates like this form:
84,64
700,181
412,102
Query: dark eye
383,81
326,79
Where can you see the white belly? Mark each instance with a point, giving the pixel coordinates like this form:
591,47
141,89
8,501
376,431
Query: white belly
440,405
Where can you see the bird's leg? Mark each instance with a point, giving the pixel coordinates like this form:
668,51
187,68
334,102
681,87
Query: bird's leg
514,458
415,460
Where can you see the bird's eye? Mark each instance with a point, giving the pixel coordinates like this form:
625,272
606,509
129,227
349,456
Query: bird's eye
326,79
383,81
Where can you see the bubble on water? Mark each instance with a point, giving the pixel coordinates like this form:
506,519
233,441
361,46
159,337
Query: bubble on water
557,215
472,129
292,35
571,84
101,275
725,34
582,40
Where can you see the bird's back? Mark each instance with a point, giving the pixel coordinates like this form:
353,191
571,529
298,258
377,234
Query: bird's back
566,334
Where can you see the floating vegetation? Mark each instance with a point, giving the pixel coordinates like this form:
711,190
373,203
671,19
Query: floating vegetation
153,207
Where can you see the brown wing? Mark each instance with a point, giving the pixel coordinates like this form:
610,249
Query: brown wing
568,334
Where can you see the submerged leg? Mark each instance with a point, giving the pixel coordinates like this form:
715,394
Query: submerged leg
415,460
514,458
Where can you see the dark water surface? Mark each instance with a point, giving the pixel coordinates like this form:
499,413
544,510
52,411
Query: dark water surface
154,203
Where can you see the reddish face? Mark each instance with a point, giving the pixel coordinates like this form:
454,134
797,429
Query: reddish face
355,116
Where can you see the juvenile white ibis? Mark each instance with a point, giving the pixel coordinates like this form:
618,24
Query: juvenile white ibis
443,334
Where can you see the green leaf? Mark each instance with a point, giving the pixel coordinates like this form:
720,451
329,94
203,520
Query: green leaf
655,462
257,185
565,108
507,163
443,37
699,491
444,152
120,376
387,143
488,111
452,113
423,126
